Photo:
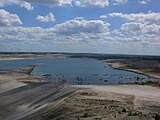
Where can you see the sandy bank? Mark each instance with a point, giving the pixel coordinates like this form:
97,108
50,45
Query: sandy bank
149,68
146,99
22,94
26,97
30,56
139,91
107,102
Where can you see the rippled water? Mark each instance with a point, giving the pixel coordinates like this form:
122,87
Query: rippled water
76,70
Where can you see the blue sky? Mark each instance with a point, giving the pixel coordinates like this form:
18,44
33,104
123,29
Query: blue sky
96,26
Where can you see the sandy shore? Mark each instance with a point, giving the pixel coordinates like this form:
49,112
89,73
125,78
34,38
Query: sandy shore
107,102
125,65
30,56
22,94
26,97
144,93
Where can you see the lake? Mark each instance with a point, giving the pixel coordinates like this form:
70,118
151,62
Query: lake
75,71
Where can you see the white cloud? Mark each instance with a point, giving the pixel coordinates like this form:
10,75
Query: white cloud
140,28
144,1
28,4
8,19
21,3
104,16
148,18
71,31
91,3
24,4
74,31
79,18
48,18
51,2
77,26
120,2
83,35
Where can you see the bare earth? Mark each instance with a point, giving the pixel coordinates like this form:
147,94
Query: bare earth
112,102
147,67
26,97
38,100
22,94
30,56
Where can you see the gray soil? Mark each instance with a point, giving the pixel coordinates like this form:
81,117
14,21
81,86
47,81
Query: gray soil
21,94
27,97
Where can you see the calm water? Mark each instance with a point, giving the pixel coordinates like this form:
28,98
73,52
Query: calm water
76,71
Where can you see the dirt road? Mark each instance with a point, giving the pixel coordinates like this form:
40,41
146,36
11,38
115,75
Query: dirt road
22,94
146,98
21,102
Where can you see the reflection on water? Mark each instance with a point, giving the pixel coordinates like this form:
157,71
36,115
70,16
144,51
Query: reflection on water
76,71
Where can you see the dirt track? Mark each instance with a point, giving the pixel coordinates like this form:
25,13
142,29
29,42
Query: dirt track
143,95
24,101
107,102
26,97
22,94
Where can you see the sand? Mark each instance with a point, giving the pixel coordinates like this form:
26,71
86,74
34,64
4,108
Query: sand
22,94
107,102
27,97
141,93
30,56
125,65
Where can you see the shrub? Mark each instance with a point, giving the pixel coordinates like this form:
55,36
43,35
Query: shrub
86,115
132,113
124,110
157,117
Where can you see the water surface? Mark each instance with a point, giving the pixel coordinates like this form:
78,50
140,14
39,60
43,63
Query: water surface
76,70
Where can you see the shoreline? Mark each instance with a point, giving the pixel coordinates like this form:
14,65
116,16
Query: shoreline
28,97
111,63
31,56
23,95
120,66
114,64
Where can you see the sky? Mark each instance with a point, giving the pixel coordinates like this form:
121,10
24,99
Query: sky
80,26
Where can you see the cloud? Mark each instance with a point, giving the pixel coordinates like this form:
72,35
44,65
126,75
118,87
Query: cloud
21,3
120,2
48,18
103,16
28,4
79,18
140,28
8,19
91,3
83,35
144,1
70,31
51,2
24,4
77,26
82,31
148,18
